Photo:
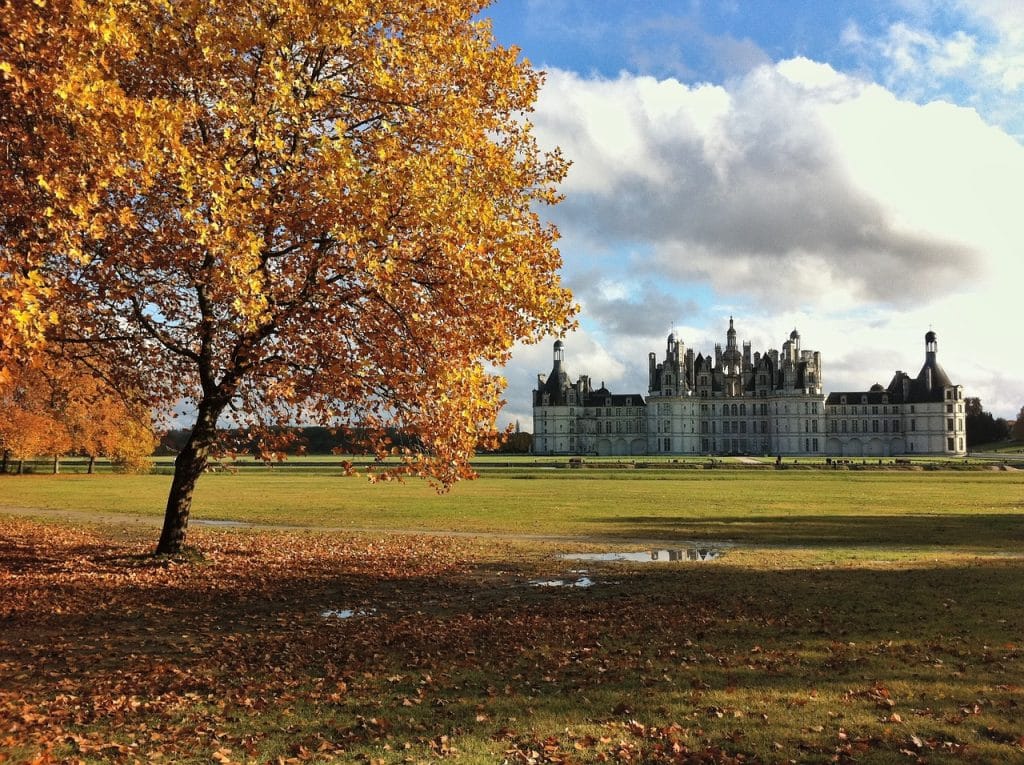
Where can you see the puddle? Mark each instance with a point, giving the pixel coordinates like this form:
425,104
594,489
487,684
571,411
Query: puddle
583,581
651,556
347,613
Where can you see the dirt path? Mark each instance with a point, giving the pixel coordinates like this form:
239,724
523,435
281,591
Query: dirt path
155,521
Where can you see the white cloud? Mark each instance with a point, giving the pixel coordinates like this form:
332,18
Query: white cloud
728,184
979,60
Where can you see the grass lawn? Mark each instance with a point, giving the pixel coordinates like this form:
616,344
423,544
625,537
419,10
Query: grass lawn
852,617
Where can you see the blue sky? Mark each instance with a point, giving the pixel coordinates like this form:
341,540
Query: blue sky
851,169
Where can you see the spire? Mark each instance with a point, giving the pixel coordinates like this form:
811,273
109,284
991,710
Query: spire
931,345
559,356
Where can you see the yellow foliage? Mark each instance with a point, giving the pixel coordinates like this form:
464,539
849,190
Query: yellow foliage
295,206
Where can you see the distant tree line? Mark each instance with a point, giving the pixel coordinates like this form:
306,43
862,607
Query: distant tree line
311,439
314,439
984,428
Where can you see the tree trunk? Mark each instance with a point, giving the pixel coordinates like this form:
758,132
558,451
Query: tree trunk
56,464
188,466
21,466
7,459
92,463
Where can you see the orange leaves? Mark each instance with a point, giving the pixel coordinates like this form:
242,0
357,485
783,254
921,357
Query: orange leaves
48,408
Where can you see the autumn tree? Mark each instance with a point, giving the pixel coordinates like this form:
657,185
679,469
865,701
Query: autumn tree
48,408
29,426
281,211
101,422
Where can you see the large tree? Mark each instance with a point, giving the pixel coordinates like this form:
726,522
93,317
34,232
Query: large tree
284,210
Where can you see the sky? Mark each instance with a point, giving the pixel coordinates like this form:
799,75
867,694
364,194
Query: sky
853,170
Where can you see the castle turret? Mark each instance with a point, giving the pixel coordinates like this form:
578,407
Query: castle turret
932,376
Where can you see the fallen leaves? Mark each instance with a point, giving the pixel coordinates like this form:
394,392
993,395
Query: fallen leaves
110,655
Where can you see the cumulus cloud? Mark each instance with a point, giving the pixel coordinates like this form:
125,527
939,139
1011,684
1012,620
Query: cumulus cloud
969,51
730,183
626,308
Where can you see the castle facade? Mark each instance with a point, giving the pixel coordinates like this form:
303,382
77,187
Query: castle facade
742,402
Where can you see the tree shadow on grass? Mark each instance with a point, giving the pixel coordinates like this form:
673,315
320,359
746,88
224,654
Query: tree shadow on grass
988,531
235,652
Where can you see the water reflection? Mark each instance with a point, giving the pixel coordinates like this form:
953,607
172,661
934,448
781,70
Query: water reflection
347,613
583,581
651,556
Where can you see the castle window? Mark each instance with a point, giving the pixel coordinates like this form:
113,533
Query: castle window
874,410
863,399
949,444
874,426
842,400
844,426
913,424
949,424
865,423
629,401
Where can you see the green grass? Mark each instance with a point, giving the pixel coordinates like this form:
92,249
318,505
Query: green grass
956,510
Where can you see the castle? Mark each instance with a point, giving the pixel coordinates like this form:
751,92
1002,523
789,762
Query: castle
739,402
